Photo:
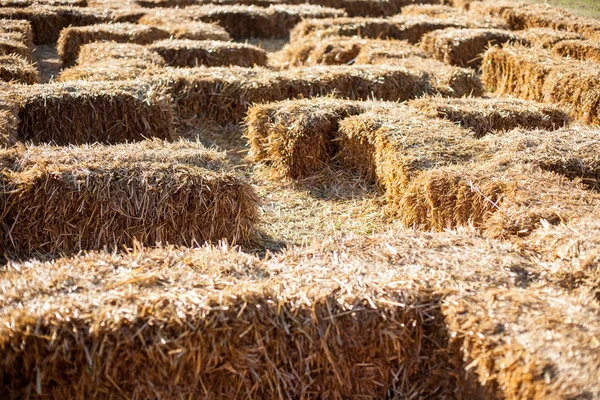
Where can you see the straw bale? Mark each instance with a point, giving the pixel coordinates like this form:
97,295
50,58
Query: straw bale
15,26
88,112
394,147
71,39
117,69
9,125
300,324
464,47
181,26
28,3
519,71
573,152
47,21
491,115
546,37
12,45
14,68
95,52
431,10
545,16
528,343
224,94
297,137
245,21
337,50
210,53
501,198
410,28
578,49
66,199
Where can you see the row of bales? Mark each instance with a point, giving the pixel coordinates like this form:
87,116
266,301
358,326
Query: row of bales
467,117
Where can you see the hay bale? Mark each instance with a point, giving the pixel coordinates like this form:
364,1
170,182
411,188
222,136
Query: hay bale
66,199
71,39
120,69
572,152
297,137
394,146
16,69
180,26
86,112
11,45
528,342
339,50
224,94
545,16
15,26
546,37
492,115
95,52
245,21
210,53
47,21
464,47
9,125
431,10
297,323
540,75
28,3
578,49
400,28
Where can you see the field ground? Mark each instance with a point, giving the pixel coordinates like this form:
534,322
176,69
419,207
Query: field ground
206,199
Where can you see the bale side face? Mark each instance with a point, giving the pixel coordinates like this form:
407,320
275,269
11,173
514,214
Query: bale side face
64,200
193,53
94,112
547,38
484,116
9,125
71,39
464,47
296,137
578,49
16,69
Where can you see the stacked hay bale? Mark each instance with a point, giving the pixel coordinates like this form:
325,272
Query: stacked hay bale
585,50
298,322
88,112
464,47
16,46
537,74
493,115
181,28
48,21
244,21
112,61
210,53
224,94
71,39
61,200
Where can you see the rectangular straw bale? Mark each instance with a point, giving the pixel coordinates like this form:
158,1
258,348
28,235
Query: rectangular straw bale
492,115
47,21
11,44
66,199
224,94
464,47
180,25
88,112
339,50
518,70
16,69
546,16
210,53
246,21
95,52
573,152
546,37
71,39
28,3
528,343
298,323
117,69
431,10
393,146
501,198
9,125
15,26
297,137
584,50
